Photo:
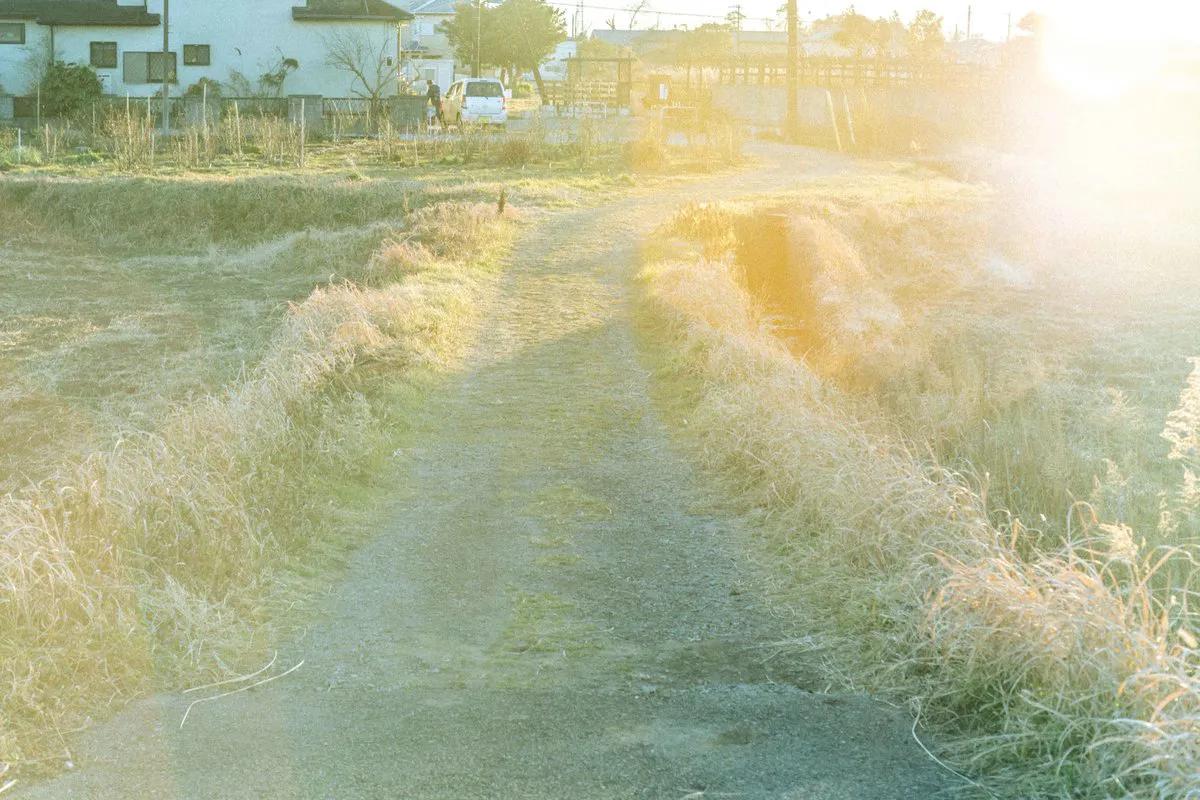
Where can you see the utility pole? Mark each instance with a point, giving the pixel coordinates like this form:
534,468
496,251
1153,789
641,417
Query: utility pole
478,35
968,22
793,84
166,55
1008,36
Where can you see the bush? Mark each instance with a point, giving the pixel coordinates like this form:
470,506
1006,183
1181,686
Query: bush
647,152
522,90
516,152
10,157
197,89
68,88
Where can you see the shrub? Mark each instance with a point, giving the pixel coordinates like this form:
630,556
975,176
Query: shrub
515,152
69,88
648,151
198,88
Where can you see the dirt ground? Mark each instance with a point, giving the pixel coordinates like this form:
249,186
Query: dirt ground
553,606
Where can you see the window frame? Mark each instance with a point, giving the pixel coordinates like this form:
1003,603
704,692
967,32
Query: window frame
148,56
194,62
20,26
116,55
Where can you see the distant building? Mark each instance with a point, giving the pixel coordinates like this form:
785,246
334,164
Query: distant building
554,68
427,51
216,39
975,51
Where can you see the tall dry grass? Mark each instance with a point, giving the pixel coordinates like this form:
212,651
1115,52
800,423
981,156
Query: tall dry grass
182,214
1063,666
156,557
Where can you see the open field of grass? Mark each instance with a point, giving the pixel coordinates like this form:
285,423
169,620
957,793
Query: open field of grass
203,362
126,294
968,437
194,407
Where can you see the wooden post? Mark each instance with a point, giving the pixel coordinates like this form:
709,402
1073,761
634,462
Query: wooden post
166,83
237,121
849,119
793,85
837,135
303,130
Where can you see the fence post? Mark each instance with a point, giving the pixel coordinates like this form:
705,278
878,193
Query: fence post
833,119
849,119
303,130
237,119
20,148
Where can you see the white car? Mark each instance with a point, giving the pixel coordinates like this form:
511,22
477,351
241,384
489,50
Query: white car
475,100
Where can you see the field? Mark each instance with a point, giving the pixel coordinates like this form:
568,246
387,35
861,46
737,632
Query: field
963,419
201,372
206,356
948,410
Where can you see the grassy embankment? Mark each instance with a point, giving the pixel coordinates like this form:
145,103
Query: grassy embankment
202,404
969,461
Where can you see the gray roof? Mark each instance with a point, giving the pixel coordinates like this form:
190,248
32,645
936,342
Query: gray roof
432,6
369,10
77,12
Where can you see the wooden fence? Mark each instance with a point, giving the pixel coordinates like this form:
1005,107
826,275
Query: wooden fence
837,73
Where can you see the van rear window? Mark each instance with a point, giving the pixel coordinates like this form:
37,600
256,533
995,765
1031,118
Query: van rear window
484,89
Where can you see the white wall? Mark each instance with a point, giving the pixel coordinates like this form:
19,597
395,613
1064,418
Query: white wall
15,64
417,70
249,36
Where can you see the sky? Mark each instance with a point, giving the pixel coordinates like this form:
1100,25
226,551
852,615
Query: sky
1095,21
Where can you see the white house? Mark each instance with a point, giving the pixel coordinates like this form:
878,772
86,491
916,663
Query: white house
216,39
427,52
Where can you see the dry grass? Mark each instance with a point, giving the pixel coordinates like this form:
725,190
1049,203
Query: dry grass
1065,660
171,215
157,557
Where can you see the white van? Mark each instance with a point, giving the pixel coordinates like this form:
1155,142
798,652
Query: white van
475,100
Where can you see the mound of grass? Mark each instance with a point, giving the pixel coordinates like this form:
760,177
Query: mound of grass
1065,664
172,215
157,557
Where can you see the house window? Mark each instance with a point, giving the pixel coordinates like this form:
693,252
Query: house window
149,67
197,55
104,55
12,33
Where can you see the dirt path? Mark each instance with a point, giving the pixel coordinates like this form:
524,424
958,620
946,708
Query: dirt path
552,609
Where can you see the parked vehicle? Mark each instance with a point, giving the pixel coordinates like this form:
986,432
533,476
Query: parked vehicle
476,101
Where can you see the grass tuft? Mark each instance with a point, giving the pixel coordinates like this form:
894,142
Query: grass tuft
1064,660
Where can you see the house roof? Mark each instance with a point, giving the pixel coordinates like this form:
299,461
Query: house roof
363,10
432,6
77,12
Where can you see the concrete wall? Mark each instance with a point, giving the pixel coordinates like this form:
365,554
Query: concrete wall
247,36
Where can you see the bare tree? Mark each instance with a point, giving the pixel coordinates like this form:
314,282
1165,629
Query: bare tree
367,61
